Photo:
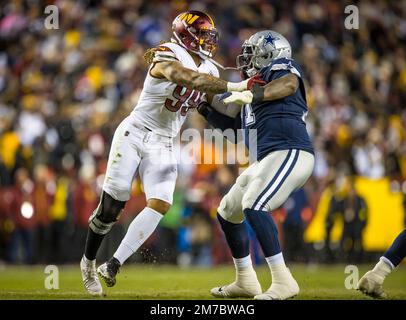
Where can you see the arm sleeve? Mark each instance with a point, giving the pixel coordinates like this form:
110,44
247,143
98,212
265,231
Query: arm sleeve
223,122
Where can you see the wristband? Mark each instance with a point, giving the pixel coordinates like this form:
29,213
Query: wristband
257,93
204,108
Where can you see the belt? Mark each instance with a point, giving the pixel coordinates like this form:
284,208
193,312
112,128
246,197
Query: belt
145,129
141,127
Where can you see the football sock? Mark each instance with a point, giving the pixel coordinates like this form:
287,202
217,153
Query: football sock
275,260
383,268
93,242
267,234
237,237
280,273
138,232
242,263
265,230
245,273
397,250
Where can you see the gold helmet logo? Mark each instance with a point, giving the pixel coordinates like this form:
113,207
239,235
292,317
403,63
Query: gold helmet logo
189,18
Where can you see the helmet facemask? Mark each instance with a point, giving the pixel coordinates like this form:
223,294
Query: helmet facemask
258,52
251,60
207,40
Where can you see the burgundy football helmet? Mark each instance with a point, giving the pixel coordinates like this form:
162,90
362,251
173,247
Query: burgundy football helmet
195,31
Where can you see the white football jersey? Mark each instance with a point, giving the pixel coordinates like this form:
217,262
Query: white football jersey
163,105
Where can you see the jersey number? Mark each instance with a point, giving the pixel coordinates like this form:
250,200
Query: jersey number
184,98
249,115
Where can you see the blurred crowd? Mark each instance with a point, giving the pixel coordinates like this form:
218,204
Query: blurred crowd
63,92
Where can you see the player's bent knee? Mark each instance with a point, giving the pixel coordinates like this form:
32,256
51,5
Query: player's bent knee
119,190
106,214
227,211
159,205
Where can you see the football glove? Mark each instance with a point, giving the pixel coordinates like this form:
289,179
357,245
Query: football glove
246,84
240,98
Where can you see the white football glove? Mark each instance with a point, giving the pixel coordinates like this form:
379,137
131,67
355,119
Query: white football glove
240,98
246,84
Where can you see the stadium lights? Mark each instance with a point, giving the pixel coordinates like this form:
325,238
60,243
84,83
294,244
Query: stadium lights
27,210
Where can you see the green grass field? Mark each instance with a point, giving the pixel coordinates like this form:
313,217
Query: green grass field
170,282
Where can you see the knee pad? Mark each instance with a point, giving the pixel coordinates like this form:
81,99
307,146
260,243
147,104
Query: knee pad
106,214
230,211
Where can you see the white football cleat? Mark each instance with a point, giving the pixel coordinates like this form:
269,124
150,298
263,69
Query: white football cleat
89,277
234,290
283,287
371,284
246,285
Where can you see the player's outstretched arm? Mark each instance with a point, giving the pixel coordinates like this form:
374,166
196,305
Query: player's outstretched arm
276,89
175,72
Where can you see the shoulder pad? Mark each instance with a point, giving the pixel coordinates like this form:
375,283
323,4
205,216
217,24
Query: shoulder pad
164,53
285,64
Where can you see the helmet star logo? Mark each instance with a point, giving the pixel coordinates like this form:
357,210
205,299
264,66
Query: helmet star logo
270,39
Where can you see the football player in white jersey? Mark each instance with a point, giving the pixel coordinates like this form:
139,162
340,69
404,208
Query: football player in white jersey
181,71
